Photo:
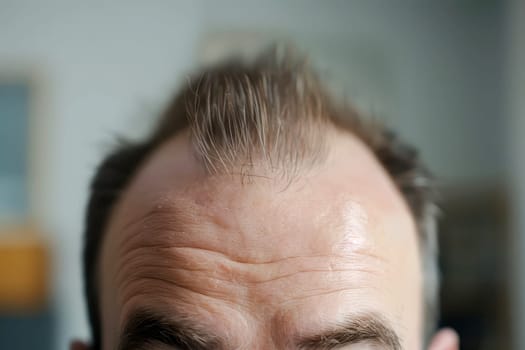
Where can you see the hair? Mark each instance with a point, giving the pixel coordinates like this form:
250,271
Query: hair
273,112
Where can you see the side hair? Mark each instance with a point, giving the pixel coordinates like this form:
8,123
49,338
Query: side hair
273,112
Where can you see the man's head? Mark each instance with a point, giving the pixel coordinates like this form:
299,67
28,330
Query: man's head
261,215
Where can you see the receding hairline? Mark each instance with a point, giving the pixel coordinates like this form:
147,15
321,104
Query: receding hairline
121,165
273,114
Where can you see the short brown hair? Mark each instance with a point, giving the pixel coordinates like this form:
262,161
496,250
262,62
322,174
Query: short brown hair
273,112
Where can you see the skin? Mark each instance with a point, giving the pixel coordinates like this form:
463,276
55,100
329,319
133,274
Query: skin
260,260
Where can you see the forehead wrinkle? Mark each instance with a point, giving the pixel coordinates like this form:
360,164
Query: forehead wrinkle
161,286
232,285
161,230
164,218
183,222
149,238
201,271
194,258
155,241
188,218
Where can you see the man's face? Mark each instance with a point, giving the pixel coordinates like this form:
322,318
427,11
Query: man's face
328,259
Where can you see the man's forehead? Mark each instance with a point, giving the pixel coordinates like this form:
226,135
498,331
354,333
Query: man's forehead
349,188
265,256
344,217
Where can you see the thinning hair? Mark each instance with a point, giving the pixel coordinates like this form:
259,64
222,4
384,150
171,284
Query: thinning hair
273,112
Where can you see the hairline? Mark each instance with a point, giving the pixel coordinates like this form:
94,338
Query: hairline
384,145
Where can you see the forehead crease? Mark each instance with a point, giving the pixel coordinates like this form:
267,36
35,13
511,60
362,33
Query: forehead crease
166,223
183,222
205,272
181,227
193,242
201,260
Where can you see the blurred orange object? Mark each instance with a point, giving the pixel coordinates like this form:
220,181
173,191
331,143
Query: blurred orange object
24,270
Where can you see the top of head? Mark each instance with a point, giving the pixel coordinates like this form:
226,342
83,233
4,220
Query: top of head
237,139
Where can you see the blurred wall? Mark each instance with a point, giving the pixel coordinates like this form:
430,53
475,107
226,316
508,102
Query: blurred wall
515,73
102,68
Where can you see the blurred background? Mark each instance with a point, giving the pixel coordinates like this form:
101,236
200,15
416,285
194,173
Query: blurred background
447,75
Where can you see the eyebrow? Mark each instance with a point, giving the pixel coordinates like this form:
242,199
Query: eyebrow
362,328
149,328
146,328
